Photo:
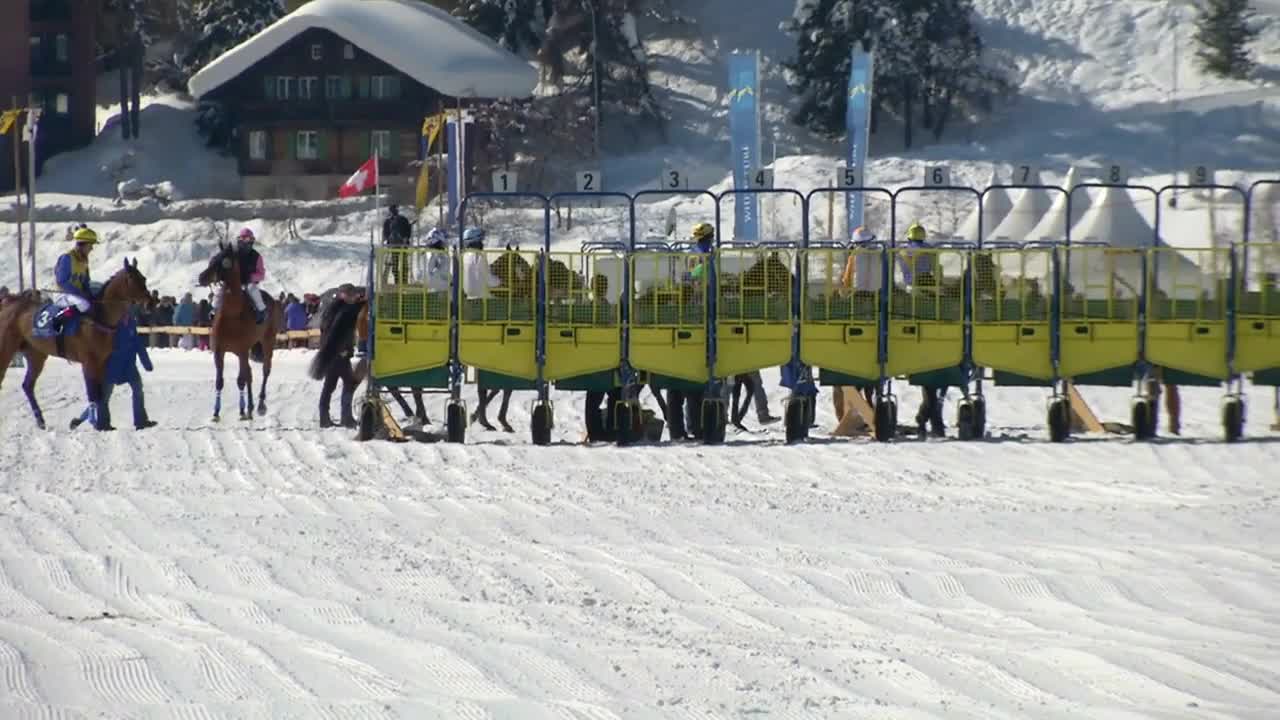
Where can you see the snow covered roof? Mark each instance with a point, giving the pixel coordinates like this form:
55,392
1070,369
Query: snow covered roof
1027,211
1053,226
422,41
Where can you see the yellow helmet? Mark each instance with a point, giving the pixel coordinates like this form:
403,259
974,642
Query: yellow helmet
916,232
702,231
85,235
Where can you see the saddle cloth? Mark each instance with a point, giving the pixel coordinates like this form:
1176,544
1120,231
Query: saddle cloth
42,326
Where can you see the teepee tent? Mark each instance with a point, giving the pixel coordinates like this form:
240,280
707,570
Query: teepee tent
1115,220
1053,225
995,206
1032,205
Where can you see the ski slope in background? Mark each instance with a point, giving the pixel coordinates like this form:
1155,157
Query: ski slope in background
274,570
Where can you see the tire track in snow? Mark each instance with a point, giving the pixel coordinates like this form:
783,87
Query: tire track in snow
124,680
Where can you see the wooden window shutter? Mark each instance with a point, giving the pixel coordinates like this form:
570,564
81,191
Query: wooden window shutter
365,141
269,87
346,87
394,90
363,87
321,137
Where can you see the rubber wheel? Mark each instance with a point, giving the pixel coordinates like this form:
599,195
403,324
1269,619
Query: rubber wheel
794,420
630,423
1059,421
964,421
713,423
1233,420
1141,418
368,422
455,422
542,424
979,418
885,424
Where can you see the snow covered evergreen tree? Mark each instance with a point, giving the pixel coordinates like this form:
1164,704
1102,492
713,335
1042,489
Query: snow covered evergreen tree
1224,29
928,61
517,25
211,27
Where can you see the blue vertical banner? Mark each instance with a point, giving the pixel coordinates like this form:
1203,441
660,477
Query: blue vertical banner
744,139
457,161
857,120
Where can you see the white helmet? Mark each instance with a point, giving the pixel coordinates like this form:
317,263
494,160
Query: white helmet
862,235
473,237
436,236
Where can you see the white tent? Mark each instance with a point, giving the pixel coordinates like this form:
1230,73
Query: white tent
1053,225
996,204
1027,211
422,41
1113,219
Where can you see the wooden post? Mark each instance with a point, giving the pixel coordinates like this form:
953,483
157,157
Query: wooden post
17,190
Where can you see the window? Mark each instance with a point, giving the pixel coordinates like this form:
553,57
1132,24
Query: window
60,47
335,88
308,145
283,86
380,142
308,88
62,104
348,52
257,145
386,87
35,49
317,51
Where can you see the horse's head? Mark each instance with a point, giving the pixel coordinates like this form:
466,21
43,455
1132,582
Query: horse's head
223,265
127,285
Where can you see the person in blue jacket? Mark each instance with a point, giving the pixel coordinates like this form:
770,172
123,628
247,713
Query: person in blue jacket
126,351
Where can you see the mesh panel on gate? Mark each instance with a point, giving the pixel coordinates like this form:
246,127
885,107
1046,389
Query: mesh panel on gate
842,285
1100,283
754,284
582,290
669,289
923,289
1013,285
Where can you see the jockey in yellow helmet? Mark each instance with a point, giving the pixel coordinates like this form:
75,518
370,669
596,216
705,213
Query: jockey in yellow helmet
71,274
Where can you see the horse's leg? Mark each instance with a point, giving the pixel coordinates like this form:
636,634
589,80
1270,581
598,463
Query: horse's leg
484,396
349,383
219,363
99,413
35,365
420,407
502,412
243,383
268,350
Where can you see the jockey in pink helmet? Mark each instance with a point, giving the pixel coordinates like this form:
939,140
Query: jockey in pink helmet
252,272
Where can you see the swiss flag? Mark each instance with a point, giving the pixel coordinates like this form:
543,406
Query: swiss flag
365,178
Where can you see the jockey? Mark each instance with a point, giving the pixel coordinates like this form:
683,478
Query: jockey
72,275
703,235
437,261
252,271
477,277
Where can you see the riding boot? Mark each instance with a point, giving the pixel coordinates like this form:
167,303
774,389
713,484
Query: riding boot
325,420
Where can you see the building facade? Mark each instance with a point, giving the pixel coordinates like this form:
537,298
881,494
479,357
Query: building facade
48,58
311,112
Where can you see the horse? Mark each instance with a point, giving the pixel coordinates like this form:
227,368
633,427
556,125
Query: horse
87,341
235,330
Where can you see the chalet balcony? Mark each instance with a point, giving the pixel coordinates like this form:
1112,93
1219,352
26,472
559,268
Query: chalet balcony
342,113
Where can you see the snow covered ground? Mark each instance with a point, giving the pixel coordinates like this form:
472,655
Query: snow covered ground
275,570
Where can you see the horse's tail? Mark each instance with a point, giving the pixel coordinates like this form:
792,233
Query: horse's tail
334,339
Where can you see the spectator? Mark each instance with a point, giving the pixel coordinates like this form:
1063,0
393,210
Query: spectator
295,316
203,311
185,316
163,317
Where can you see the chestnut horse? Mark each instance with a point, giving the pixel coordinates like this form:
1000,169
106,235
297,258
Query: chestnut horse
236,330
90,344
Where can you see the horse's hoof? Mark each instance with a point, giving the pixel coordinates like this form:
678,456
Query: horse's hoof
217,419
246,417
40,424
262,410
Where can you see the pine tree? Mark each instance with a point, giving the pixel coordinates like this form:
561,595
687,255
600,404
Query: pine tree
211,27
928,61
1224,29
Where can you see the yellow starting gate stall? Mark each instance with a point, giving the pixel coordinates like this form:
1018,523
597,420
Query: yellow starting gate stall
1186,314
1098,292
1257,307
583,300
411,317
753,308
926,310
841,294
1012,313
498,315
668,314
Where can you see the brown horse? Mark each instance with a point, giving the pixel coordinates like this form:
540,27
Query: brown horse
90,344
235,330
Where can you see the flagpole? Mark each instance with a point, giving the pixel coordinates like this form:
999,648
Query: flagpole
17,186
33,121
